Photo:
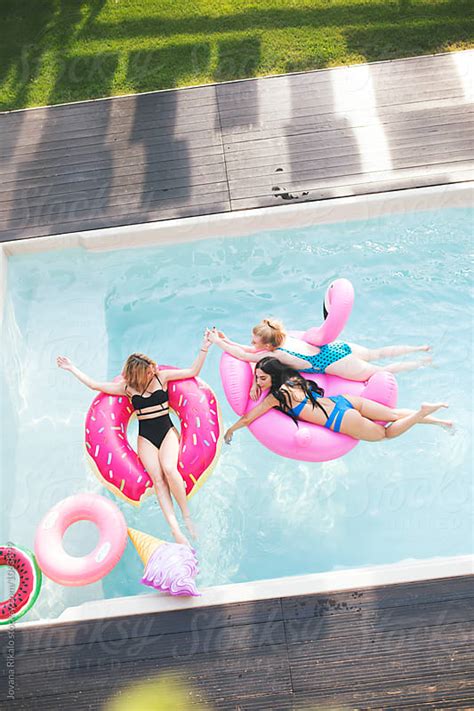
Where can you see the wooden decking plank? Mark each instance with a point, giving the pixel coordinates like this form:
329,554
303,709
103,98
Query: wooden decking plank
135,134
177,115
84,189
371,675
134,626
263,111
419,694
330,192
297,173
401,594
309,90
176,155
121,165
337,177
119,106
71,209
231,674
333,157
410,128
180,646
280,163
107,220
206,137
327,103
323,140
321,80
123,183
323,121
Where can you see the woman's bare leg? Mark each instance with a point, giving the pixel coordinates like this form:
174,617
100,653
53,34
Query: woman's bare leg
353,368
169,463
369,354
403,424
447,424
148,454
374,410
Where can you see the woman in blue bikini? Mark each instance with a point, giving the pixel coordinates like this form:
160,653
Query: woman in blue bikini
347,360
303,399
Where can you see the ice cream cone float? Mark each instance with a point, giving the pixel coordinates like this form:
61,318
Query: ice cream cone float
169,567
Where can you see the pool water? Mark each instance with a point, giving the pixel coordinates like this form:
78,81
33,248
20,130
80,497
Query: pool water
259,515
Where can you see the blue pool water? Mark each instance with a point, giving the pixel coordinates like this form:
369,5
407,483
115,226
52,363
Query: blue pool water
259,515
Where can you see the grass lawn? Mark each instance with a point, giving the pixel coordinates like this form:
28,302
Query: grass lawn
55,51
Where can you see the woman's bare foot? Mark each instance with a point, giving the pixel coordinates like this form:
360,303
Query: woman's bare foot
425,348
179,537
446,424
190,526
426,361
427,408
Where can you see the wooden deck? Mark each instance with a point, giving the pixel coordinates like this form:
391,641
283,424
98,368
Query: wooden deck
273,141
404,646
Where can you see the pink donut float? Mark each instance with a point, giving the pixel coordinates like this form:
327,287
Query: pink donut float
117,465
71,570
278,432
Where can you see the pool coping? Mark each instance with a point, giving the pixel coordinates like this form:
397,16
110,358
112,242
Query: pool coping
237,224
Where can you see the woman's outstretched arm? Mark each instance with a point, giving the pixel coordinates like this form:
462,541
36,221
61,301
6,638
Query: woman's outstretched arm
267,404
235,350
109,388
230,342
193,371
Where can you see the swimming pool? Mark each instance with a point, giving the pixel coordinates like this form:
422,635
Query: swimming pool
260,516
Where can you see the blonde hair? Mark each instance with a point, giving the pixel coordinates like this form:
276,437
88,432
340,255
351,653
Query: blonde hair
271,331
136,371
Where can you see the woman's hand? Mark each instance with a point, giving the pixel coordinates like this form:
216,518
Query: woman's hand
64,363
213,335
206,341
255,391
228,436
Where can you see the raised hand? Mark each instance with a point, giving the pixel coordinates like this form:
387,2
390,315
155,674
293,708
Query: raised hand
64,363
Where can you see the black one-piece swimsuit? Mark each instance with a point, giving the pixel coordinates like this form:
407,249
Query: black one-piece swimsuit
154,421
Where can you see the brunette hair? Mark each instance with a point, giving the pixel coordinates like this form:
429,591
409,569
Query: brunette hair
136,371
282,375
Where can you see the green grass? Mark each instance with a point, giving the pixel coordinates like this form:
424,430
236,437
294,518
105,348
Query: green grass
55,51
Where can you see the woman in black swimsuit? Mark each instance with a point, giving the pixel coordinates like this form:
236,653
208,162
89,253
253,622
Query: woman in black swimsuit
158,440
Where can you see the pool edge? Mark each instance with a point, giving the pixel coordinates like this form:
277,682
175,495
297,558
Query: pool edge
408,571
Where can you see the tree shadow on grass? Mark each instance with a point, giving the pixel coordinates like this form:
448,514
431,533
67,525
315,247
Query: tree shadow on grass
237,58
30,31
327,15
149,70
83,77
379,43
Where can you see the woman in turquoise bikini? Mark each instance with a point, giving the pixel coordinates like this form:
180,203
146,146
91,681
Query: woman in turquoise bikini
304,400
347,360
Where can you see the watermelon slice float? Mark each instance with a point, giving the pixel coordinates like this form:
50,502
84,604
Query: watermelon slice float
24,562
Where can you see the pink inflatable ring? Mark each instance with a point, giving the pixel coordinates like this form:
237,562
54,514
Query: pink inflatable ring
117,465
70,570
